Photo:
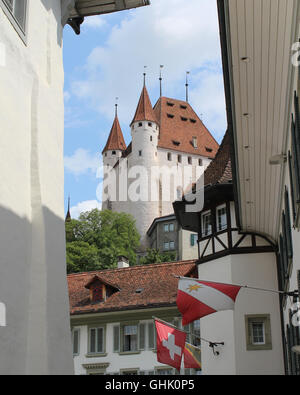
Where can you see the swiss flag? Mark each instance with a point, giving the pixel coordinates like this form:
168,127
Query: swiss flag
170,344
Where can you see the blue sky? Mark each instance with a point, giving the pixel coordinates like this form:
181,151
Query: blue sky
107,61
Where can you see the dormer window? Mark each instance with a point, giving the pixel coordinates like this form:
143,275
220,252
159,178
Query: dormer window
170,116
195,142
170,104
193,120
183,107
99,290
208,149
177,143
184,119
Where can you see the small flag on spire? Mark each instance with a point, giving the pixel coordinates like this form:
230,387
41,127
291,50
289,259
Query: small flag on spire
160,79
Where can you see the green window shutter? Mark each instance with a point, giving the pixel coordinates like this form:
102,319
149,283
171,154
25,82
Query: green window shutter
151,330
117,338
288,224
192,240
142,336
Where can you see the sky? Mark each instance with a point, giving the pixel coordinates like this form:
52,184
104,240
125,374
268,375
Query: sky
107,61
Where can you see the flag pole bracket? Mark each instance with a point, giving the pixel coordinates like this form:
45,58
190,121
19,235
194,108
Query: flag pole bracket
214,345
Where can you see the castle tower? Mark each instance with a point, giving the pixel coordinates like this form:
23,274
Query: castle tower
144,132
113,150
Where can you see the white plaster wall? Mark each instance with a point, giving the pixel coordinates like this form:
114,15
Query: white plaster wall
32,260
186,250
257,270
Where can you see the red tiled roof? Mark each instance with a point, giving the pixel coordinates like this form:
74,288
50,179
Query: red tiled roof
179,124
115,140
219,170
144,111
159,287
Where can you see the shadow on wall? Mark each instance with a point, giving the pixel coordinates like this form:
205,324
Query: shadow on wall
33,287
55,6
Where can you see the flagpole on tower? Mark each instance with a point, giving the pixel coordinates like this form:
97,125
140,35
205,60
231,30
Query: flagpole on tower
160,79
187,86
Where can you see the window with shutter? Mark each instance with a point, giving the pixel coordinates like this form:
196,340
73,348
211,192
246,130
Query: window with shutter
142,328
116,338
75,341
151,336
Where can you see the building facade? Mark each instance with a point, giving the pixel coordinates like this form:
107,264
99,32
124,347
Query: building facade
33,285
166,235
167,140
252,332
262,95
112,314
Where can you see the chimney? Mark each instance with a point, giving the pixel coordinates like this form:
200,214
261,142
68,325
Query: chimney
123,262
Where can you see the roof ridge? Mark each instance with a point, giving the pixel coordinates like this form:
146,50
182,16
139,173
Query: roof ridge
133,267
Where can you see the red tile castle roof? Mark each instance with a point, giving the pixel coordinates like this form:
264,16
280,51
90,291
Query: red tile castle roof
179,124
115,140
156,286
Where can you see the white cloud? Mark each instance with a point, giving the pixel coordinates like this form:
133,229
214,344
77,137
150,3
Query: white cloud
182,35
82,162
84,206
94,22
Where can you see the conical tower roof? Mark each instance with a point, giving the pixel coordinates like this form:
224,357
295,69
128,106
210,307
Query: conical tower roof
115,140
144,111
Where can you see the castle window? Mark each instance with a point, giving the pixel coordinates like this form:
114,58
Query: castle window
221,218
140,124
151,138
114,153
258,332
140,153
179,159
190,161
169,156
206,224
150,124
172,245
194,238
166,246
200,162
106,154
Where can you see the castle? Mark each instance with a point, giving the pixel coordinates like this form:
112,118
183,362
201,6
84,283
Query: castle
166,138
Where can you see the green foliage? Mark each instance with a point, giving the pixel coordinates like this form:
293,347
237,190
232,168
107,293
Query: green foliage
154,256
110,233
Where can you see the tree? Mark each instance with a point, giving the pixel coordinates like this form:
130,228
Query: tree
154,256
82,257
111,233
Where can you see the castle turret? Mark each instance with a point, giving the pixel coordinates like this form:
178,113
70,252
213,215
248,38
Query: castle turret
115,144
